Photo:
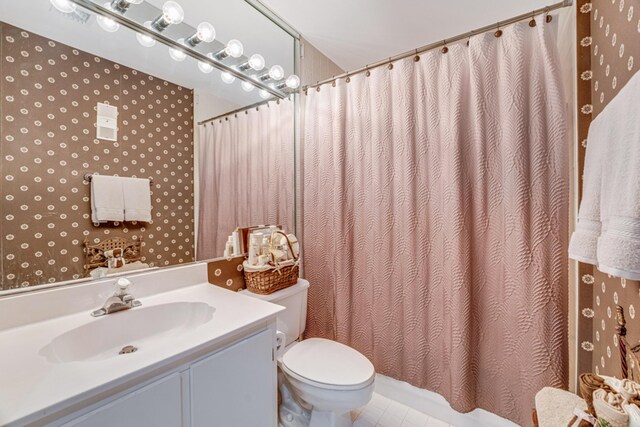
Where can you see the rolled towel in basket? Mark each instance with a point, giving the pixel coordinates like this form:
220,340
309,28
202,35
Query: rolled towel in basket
629,390
588,384
609,409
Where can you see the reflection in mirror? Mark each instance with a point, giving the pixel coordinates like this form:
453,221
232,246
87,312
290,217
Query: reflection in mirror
85,95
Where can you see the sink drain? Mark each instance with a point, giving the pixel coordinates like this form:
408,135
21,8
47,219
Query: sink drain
128,349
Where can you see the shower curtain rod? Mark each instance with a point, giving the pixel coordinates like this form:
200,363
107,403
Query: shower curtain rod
240,110
445,42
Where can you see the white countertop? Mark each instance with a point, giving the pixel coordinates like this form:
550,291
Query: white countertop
31,386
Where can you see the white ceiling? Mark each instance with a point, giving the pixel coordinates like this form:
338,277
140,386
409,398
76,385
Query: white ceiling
231,18
354,33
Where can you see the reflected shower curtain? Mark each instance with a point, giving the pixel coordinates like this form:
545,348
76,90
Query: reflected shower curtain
435,219
246,172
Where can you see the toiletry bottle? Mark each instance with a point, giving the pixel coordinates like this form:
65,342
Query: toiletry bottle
228,249
254,249
264,247
236,243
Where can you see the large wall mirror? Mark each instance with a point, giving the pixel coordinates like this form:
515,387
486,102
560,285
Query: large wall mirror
209,123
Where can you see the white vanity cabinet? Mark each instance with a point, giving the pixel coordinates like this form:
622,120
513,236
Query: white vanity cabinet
235,386
158,404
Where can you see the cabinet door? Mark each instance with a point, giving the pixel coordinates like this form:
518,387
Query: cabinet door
158,404
236,387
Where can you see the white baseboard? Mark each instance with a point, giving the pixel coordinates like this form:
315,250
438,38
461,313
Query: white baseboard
435,405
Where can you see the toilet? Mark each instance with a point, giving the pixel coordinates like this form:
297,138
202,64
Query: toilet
320,381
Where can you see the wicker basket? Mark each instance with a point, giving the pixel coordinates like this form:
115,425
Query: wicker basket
269,281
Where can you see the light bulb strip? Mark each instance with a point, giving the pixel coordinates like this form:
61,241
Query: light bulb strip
159,37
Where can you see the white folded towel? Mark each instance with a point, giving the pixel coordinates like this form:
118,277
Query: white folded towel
584,241
107,201
137,200
610,208
634,414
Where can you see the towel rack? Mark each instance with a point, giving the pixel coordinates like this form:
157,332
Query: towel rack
88,176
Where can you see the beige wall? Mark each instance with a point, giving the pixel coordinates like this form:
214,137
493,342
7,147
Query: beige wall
314,66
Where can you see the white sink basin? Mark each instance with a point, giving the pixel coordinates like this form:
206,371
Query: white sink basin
141,327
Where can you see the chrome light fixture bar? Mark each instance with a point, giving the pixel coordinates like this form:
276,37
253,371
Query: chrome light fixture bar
101,10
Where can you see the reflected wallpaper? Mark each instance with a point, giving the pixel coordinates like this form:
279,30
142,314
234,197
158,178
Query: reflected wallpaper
48,98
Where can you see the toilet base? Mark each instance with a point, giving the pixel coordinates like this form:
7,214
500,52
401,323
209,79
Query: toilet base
330,419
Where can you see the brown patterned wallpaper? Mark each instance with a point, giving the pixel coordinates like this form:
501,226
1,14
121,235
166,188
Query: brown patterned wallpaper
609,36
48,97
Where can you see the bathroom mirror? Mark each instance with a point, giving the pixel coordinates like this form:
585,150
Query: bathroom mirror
59,62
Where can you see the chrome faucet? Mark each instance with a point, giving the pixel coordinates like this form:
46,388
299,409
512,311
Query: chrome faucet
120,300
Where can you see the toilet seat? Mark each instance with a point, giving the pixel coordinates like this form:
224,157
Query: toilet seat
328,365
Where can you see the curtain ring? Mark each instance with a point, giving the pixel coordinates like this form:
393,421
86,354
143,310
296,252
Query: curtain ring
417,57
498,32
469,38
390,66
278,101
548,18
533,23
246,112
318,89
348,79
333,83
368,73
444,49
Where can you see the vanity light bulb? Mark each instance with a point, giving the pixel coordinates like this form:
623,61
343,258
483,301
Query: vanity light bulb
248,87
264,94
145,40
177,54
276,72
293,82
227,78
107,24
134,1
172,12
206,32
234,48
205,67
64,6
256,62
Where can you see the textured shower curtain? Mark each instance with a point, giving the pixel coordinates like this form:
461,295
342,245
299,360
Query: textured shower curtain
246,173
435,219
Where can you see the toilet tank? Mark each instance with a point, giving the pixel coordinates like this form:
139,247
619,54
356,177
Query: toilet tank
293,319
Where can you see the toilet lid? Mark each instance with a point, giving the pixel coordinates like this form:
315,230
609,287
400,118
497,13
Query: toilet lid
328,362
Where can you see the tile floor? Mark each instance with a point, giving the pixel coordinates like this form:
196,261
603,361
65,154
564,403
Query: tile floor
383,412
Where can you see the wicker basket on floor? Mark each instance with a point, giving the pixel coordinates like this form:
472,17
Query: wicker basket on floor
279,277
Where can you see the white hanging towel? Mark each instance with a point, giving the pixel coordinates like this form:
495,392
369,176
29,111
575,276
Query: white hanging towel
610,207
137,200
107,199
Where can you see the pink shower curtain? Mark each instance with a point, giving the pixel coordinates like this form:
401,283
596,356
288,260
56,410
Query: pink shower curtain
246,174
435,219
